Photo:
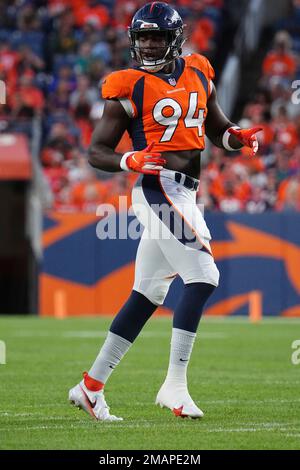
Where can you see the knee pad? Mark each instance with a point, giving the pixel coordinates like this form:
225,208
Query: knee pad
213,275
154,289
205,272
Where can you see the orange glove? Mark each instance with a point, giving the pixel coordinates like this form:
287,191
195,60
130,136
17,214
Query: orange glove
247,137
143,161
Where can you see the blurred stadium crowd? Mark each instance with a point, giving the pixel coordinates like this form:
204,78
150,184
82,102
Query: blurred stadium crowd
53,55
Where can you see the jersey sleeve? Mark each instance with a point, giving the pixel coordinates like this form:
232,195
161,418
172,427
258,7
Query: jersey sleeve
210,70
114,86
118,85
210,75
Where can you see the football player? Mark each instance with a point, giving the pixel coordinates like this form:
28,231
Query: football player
167,103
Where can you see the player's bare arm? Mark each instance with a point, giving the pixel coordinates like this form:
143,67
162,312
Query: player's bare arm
217,123
225,134
106,136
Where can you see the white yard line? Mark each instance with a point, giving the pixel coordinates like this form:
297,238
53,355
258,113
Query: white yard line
32,416
235,402
238,319
145,334
251,428
84,334
241,427
103,334
39,405
205,335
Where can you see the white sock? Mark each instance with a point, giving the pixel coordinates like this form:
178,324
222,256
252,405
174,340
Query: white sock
181,348
111,353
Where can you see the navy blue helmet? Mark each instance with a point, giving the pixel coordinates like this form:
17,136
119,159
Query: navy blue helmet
165,21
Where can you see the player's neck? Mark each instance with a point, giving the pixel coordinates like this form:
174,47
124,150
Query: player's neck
169,68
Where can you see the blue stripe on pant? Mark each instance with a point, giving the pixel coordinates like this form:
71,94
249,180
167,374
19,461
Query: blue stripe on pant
177,225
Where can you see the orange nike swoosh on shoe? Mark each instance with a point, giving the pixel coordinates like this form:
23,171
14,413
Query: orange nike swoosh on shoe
178,412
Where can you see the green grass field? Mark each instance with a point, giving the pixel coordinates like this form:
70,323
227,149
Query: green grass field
240,374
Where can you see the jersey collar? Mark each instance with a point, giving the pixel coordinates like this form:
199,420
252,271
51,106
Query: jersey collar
170,78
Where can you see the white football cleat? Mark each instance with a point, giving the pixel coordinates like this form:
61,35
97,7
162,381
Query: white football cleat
177,398
92,403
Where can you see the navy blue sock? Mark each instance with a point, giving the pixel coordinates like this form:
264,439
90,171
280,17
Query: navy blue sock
132,317
188,311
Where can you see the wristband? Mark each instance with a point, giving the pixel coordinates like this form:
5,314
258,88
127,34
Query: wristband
123,163
225,139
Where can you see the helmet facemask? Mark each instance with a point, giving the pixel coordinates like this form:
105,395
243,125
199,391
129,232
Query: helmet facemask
154,58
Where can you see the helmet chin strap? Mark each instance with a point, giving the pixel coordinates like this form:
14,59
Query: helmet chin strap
156,68
151,68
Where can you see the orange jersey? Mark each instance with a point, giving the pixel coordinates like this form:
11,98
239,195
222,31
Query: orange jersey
167,109
283,65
